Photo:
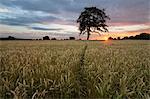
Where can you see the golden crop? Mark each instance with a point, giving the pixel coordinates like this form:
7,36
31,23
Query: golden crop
74,69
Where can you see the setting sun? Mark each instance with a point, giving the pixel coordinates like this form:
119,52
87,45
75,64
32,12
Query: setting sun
105,38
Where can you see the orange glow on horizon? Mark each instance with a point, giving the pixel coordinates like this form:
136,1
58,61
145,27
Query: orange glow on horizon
105,38
118,34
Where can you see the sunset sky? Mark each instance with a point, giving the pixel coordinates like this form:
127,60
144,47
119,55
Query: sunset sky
57,18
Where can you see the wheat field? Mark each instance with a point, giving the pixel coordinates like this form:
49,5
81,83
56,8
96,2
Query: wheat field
74,69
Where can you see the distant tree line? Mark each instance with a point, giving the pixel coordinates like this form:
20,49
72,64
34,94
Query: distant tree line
13,38
44,38
142,36
47,38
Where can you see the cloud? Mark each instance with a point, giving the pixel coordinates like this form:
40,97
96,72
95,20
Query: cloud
46,29
20,17
62,14
4,10
129,28
119,10
52,6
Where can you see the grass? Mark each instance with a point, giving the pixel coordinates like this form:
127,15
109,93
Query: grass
74,69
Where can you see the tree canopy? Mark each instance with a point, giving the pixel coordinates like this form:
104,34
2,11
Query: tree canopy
91,20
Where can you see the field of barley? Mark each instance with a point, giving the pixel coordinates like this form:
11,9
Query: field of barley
75,69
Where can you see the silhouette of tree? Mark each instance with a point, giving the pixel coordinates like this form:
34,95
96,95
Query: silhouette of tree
125,38
91,20
53,39
118,38
131,37
11,38
110,38
115,39
46,38
142,36
71,38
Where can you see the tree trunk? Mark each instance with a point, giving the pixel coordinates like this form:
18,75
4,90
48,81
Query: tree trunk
88,33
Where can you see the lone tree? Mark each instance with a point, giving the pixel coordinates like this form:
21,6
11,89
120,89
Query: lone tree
91,20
